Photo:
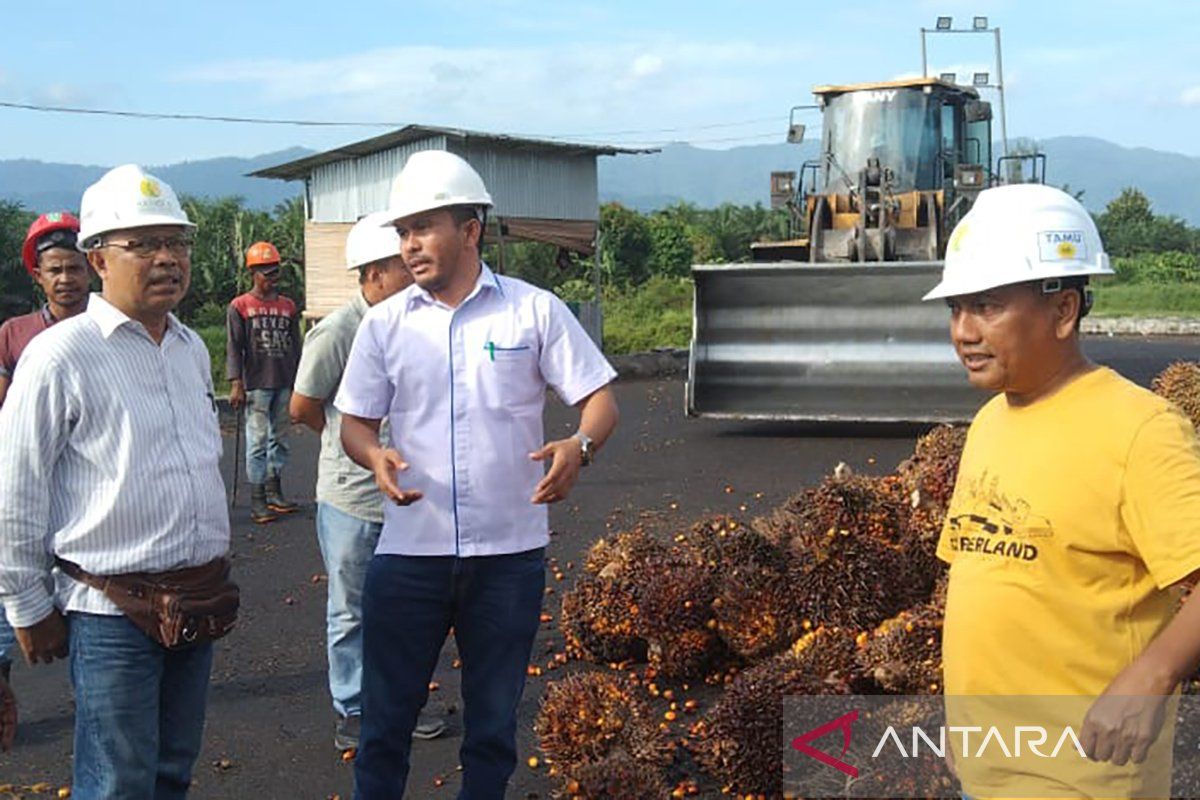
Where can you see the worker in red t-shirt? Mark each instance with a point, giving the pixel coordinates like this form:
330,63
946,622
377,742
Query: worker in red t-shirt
57,266
262,352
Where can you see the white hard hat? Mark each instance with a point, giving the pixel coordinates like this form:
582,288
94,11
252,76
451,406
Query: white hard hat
127,197
1017,233
368,241
434,179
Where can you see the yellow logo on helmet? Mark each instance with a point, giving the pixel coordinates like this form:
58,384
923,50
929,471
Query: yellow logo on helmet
956,238
149,187
1066,250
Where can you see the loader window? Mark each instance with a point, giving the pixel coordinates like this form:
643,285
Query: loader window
897,126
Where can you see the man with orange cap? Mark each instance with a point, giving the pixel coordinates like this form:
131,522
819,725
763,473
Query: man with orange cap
56,265
262,353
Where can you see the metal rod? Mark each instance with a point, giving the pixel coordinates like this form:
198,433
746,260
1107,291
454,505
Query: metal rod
1000,87
924,60
237,454
596,279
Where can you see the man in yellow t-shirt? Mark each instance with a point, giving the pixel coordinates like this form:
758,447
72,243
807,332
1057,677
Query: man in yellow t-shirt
1075,517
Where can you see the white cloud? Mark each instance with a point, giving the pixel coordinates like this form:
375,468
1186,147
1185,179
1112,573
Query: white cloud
1190,96
646,65
553,90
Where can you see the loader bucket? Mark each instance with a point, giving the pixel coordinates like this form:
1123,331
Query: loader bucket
824,343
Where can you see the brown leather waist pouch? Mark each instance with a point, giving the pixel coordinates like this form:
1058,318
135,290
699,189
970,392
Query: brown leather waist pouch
177,609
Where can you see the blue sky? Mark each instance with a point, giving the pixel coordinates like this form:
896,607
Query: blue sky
715,74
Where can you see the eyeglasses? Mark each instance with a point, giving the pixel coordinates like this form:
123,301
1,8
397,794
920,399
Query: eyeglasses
147,247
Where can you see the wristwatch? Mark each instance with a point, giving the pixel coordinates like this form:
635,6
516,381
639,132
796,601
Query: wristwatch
586,447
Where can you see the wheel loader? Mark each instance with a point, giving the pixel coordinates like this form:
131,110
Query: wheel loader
828,326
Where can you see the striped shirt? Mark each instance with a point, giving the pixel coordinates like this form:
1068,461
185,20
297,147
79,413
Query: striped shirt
109,451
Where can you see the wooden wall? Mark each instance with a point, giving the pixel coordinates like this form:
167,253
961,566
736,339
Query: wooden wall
327,283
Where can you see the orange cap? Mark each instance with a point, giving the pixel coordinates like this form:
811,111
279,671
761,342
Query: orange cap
261,254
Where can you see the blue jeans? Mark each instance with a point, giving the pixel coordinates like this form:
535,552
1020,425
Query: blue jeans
8,640
347,544
267,422
139,711
409,605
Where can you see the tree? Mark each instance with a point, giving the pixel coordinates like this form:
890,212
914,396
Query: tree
625,244
1129,226
18,294
671,247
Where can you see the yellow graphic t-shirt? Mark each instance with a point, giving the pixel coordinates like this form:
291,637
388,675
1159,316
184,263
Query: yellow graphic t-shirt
1071,520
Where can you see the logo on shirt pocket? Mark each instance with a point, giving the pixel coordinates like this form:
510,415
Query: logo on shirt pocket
495,351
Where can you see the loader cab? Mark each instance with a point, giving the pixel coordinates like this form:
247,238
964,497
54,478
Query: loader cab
930,136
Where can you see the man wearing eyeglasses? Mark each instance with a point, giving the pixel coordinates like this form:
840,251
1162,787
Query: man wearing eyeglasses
109,459
262,354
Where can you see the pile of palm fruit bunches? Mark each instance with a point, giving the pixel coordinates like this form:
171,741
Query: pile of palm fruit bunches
838,591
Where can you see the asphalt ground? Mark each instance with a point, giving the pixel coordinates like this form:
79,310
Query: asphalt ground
270,722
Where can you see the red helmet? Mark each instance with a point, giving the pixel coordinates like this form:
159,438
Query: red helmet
261,254
39,238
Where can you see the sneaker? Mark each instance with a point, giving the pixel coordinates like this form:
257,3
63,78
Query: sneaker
346,733
429,727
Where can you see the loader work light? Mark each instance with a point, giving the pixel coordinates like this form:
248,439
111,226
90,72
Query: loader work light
980,23
981,79
944,23
948,77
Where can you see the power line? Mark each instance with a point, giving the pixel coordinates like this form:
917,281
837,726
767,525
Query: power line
758,121
196,117
357,123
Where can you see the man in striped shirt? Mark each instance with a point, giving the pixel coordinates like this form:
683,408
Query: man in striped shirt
109,450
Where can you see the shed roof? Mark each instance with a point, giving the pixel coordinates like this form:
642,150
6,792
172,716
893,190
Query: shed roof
302,167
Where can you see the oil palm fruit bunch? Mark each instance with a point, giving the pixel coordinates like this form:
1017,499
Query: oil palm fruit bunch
904,654
738,741
1180,383
754,606
853,561
929,473
675,596
720,542
587,717
599,621
616,777
613,556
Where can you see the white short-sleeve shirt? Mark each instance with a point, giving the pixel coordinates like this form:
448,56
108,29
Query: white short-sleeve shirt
464,390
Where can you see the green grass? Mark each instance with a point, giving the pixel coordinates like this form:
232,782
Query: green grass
214,339
656,314
1147,300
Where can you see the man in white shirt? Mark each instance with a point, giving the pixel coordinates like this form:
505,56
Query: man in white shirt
459,364
109,450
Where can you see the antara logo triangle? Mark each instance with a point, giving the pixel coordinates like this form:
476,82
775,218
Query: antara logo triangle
845,724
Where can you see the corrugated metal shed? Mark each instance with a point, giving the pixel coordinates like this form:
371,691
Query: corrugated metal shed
533,178
543,191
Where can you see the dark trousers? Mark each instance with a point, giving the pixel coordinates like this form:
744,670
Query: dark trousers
409,605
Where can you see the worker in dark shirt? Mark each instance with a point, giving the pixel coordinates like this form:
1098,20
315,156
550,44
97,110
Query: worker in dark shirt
262,352
57,266
60,269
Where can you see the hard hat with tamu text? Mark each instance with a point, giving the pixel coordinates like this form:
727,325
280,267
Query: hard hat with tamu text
1018,233
127,197
57,229
368,241
261,254
434,179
